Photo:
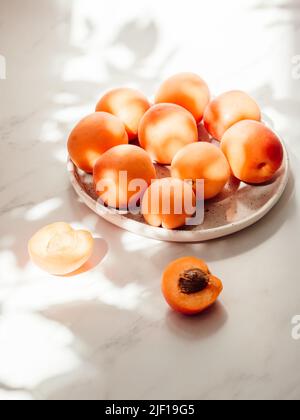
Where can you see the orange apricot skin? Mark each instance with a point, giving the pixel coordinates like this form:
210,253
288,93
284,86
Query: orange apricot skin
165,129
202,161
125,158
228,109
93,136
189,304
187,90
175,193
127,104
254,152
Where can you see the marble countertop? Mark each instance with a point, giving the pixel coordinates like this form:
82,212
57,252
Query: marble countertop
107,333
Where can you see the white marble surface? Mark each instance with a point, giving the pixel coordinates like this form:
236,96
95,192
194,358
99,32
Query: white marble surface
107,333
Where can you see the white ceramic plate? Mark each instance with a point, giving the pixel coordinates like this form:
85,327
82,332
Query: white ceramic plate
238,207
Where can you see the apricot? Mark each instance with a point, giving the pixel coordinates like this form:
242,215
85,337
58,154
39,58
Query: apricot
254,152
168,202
122,175
189,287
165,129
59,249
202,161
127,104
187,90
228,109
93,136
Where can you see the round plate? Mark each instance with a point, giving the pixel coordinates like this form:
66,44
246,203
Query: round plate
236,208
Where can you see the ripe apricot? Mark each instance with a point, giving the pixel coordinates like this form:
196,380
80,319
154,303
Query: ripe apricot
228,109
254,152
189,287
59,249
93,136
165,129
127,104
122,175
202,161
187,90
168,202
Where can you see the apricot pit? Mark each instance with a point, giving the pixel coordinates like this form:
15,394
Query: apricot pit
189,287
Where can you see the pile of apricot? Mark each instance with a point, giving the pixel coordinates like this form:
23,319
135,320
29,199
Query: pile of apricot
129,134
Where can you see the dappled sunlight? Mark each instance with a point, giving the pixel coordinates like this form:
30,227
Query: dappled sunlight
50,132
131,244
38,290
90,220
71,114
66,335
8,264
40,349
129,297
41,210
66,98
61,155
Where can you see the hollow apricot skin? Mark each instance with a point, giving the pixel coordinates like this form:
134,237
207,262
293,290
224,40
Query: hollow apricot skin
175,193
59,249
202,161
165,129
189,304
93,136
228,109
125,158
127,104
254,151
187,90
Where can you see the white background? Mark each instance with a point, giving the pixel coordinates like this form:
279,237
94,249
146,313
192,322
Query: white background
108,333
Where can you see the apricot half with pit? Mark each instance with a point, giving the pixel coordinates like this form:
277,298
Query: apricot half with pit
127,104
59,249
189,287
228,109
187,90
165,129
202,161
122,175
93,136
168,202
254,152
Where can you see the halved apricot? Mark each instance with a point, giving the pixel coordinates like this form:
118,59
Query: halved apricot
165,129
202,161
189,287
187,90
59,249
93,136
122,175
168,202
127,104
